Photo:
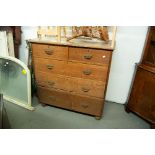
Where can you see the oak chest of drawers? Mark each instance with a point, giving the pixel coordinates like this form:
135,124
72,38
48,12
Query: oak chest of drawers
70,77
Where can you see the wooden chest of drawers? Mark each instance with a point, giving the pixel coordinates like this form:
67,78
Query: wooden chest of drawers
73,78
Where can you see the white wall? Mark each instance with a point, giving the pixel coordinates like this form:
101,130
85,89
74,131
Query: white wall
27,33
129,46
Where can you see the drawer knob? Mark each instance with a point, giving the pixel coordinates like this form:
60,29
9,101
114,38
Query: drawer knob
87,72
103,56
88,56
85,89
51,83
48,51
50,66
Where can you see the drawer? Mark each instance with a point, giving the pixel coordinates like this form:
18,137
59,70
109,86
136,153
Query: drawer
49,66
86,87
51,81
56,98
87,105
50,51
91,88
91,56
86,71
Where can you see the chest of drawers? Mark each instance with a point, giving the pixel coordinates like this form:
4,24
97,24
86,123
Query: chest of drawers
69,77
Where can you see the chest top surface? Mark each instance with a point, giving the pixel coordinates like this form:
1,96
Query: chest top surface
97,44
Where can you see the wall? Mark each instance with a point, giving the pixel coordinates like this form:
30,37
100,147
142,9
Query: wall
27,33
129,45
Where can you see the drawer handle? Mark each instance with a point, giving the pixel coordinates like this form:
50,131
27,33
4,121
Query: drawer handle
88,56
103,56
87,72
84,106
50,66
51,83
48,51
85,89
52,97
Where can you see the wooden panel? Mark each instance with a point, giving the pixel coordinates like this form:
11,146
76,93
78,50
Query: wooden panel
91,88
86,87
87,105
75,85
50,80
56,98
50,66
74,102
142,99
91,56
50,52
87,71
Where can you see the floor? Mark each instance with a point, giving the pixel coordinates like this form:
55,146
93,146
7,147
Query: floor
49,117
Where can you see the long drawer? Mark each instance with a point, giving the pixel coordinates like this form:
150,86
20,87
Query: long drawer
87,71
50,51
79,70
92,56
70,101
74,85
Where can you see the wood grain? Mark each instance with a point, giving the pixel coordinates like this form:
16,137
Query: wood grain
50,51
86,71
90,56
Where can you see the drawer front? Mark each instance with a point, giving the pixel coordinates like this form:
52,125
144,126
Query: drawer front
87,105
86,71
49,66
51,81
56,98
90,55
86,87
91,88
50,51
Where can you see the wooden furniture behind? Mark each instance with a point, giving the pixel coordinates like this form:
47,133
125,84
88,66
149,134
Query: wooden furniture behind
16,31
142,97
71,77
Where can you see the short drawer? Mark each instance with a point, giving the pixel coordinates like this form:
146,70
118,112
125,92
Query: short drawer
87,105
50,51
91,88
49,66
51,81
87,87
91,56
86,71
56,98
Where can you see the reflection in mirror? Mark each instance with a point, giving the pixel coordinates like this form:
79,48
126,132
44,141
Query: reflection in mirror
15,82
